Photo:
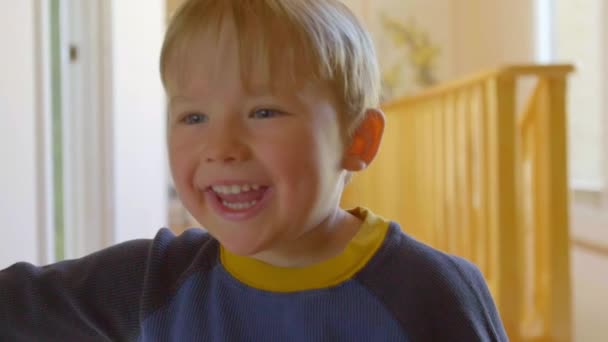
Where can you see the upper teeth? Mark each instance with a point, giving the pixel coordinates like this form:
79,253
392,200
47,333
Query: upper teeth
234,189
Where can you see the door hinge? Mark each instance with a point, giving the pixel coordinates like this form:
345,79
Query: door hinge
73,53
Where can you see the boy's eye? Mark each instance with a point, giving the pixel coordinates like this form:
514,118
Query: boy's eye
264,113
194,118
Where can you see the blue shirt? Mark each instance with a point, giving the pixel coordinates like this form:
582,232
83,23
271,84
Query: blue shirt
385,286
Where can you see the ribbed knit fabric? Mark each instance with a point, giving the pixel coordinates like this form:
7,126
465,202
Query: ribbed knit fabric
175,289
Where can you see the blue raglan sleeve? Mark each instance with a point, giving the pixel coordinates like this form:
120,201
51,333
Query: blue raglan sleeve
95,298
434,296
465,308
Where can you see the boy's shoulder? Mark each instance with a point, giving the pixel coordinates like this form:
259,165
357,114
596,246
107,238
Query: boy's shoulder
416,260
423,287
103,292
172,259
193,244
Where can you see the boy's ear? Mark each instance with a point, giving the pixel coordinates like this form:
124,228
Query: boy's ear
365,141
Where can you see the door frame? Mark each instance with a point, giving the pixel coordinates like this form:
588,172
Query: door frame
86,112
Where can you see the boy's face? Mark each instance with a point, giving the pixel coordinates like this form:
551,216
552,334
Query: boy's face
257,168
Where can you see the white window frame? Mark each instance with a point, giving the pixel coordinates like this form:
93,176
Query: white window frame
544,34
44,154
605,109
26,185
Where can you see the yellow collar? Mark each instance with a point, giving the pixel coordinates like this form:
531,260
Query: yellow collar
325,274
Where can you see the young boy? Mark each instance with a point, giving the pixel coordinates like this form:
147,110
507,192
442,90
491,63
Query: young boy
271,109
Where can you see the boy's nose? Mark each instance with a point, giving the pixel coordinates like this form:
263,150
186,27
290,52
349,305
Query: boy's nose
226,148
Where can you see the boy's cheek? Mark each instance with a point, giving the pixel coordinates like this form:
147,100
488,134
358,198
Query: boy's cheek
177,145
182,172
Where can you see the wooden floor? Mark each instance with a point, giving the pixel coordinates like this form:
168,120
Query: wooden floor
590,275
590,295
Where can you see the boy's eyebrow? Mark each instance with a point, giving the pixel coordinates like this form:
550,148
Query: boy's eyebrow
276,89
175,99
253,90
260,89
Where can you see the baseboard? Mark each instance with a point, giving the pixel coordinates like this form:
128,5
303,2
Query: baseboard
594,247
587,185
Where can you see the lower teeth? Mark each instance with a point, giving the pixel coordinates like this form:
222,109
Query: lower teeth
239,206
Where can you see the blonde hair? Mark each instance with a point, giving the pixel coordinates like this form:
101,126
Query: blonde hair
322,36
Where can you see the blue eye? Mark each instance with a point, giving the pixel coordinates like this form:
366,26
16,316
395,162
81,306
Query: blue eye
194,118
264,114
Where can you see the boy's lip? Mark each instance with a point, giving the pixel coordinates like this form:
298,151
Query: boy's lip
209,186
229,214
233,182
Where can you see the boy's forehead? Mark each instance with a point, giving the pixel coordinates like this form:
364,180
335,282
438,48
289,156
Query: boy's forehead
212,64
216,54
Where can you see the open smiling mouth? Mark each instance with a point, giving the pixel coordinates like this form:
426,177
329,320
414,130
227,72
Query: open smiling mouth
238,202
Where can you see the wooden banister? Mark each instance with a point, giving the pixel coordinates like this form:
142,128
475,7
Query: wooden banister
461,170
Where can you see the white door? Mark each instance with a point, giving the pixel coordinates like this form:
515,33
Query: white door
82,130
25,172
114,179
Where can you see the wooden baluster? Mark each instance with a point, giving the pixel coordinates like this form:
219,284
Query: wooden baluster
533,320
439,171
450,181
418,165
477,227
429,166
553,208
392,168
506,237
427,202
488,252
409,175
464,191
459,205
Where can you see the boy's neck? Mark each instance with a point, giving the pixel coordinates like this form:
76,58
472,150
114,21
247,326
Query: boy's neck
319,244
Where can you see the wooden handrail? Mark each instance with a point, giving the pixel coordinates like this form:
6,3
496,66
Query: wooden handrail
559,70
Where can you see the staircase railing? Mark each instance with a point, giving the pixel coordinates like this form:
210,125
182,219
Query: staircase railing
471,169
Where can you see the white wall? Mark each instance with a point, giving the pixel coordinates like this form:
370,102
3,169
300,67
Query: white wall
471,35
434,18
18,195
491,33
586,105
140,195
